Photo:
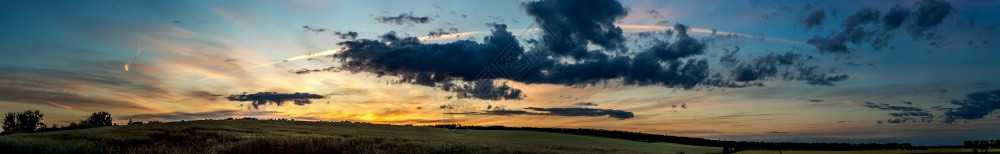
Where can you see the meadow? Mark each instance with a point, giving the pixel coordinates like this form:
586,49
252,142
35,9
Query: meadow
274,136
283,136
958,150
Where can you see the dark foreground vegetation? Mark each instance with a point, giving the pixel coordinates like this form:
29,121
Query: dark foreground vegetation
31,121
734,146
25,132
287,136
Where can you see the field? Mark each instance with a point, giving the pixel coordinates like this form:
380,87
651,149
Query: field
860,152
266,136
272,136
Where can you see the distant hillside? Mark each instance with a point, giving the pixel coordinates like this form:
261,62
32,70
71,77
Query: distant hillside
274,136
733,146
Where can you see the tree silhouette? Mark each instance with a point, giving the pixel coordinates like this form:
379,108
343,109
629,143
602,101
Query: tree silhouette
27,121
98,119
981,145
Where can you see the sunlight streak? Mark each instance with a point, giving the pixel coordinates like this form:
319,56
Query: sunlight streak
296,58
138,48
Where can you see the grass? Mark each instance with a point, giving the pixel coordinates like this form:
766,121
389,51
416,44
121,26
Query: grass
861,152
272,136
267,136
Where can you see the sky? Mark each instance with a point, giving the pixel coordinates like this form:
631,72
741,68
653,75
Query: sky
918,71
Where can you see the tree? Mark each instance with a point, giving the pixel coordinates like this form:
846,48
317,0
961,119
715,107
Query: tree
27,121
99,119
9,122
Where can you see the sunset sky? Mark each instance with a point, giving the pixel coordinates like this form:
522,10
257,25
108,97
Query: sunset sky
926,72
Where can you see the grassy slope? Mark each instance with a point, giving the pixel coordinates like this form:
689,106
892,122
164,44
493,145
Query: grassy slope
860,152
242,136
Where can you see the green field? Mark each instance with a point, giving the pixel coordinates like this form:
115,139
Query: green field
267,136
859,152
271,136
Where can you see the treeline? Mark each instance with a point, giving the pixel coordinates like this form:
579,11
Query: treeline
31,121
981,145
729,146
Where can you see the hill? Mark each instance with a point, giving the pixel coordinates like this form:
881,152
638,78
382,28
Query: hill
275,136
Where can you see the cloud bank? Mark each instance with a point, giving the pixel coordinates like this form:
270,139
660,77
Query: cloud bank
862,27
975,106
902,114
560,57
263,98
573,111
402,19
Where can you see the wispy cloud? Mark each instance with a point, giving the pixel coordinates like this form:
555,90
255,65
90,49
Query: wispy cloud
218,114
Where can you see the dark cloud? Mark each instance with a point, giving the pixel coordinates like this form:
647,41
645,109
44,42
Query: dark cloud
895,17
486,90
569,25
975,106
885,106
815,100
586,112
501,56
434,65
904,120
911,113
929,14
772,65
313,29
346,35
438,64
776,132
902,114
853,32
263,98
813,76
858,28
764,67
647,70
683,46
439,32
590,112
405,18
586,104
508,112
815,18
